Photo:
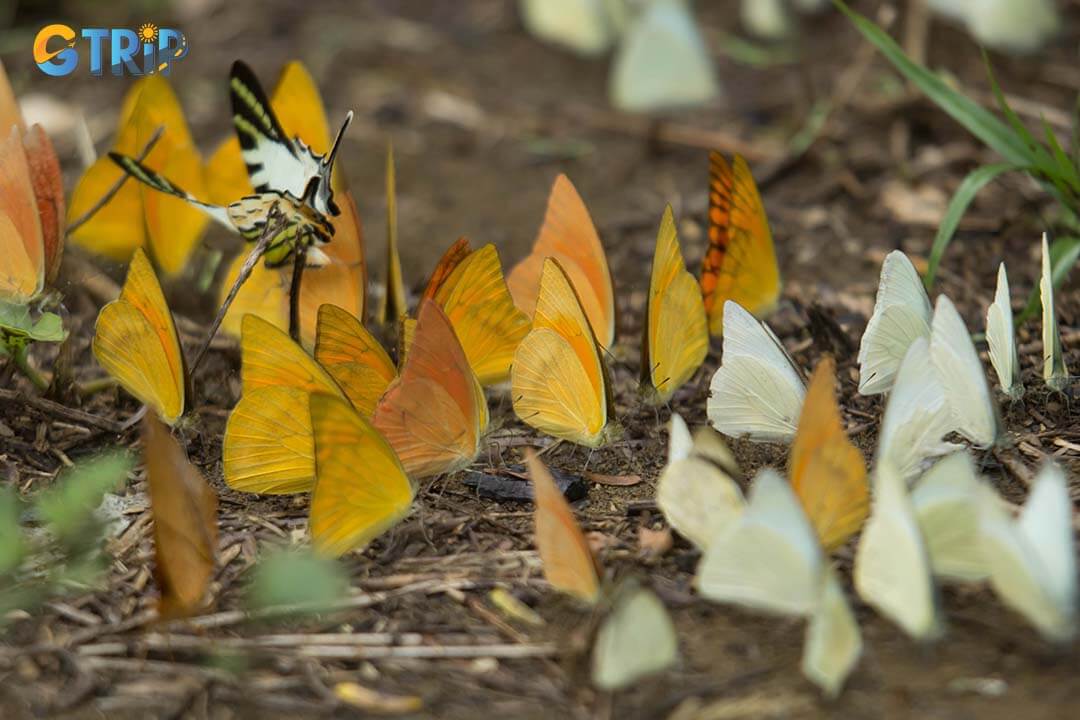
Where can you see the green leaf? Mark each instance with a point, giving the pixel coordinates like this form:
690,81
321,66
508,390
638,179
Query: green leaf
296,578
958,205
12,543
1064,252
16,322
68,508
1065,167
979,121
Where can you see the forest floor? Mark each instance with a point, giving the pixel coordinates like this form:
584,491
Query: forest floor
482,118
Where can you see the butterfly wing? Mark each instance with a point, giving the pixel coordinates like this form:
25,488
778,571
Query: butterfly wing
946,502
485,319
569,565
270,358
756,391
184,508
1001,337
135,341
557,377
361,488
901,314
962,377
48,184
21,241
740,262
432,415
394,305
833,643
636,640
676,334
353,357
1055,373
698,499
568,235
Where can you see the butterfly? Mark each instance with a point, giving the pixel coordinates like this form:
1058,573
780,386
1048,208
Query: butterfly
946,502
558,379
268,443
21,240
675,339
892,565
697,490
567,559
1055,373
584,26
135,341
635,640
1001,337
901,314
569,236
470,288
917,415
184,508
962,377
662,61
770,560
165,225
740,262
757,391
827,472
353,357
10,114
394,307
361,488
434,414
1031,559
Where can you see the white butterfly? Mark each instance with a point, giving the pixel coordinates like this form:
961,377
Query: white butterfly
946,501
917,415
1055,373
901,314
696,491
1001,338
757,390
637,639
892,565
962,376
662,61
1032,560
771,560
583,26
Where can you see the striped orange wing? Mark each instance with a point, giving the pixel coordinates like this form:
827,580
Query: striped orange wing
446,265
569,236
568,561
434,414
740,263
827,472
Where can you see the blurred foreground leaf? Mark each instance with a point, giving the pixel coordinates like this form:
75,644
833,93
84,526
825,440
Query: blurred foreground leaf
296,577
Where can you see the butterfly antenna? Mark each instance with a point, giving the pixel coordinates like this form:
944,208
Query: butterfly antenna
328,161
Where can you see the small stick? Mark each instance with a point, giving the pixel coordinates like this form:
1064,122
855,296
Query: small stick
273,225
96,207
299,260
71,414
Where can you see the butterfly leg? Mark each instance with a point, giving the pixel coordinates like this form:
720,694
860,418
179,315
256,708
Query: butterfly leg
299,260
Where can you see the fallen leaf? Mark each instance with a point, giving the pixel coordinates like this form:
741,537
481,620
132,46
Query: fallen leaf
617,480
374,701
514,608
654,543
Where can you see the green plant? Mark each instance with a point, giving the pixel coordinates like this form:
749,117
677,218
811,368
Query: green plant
1044,161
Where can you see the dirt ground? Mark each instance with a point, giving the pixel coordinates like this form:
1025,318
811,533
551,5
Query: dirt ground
482,118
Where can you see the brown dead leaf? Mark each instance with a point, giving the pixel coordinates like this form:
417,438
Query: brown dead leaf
616,480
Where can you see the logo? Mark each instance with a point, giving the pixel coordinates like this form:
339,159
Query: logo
144,51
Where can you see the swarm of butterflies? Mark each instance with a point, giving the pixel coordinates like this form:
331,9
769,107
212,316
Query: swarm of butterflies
332,414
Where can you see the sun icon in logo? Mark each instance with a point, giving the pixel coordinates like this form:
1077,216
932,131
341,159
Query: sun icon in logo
148,32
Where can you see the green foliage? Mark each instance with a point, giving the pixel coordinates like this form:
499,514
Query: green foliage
18,328
62,549
1044,161
300,578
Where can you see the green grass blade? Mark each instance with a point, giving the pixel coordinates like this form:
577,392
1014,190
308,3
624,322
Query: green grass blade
1066,169
1064,253
958,205
979,121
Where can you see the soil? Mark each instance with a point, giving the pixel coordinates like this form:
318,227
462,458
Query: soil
482,118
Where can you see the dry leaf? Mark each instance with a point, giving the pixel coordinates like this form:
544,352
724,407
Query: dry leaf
654,543
616,480
374,701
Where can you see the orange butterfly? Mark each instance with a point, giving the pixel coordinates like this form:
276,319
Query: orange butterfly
568,561
559,381
353,357
827,472
434,414
569,236
675,338
184,509
393,308
135,340
740,263
9,106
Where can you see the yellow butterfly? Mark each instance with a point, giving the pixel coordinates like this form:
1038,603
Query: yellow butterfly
393,308
558,379
353,357
361,488
827,472
138,216
740,262
675,338
569,236
268,443
135,341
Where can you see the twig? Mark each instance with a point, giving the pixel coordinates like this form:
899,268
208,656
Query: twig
299,260
111,192
54,408
21,356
